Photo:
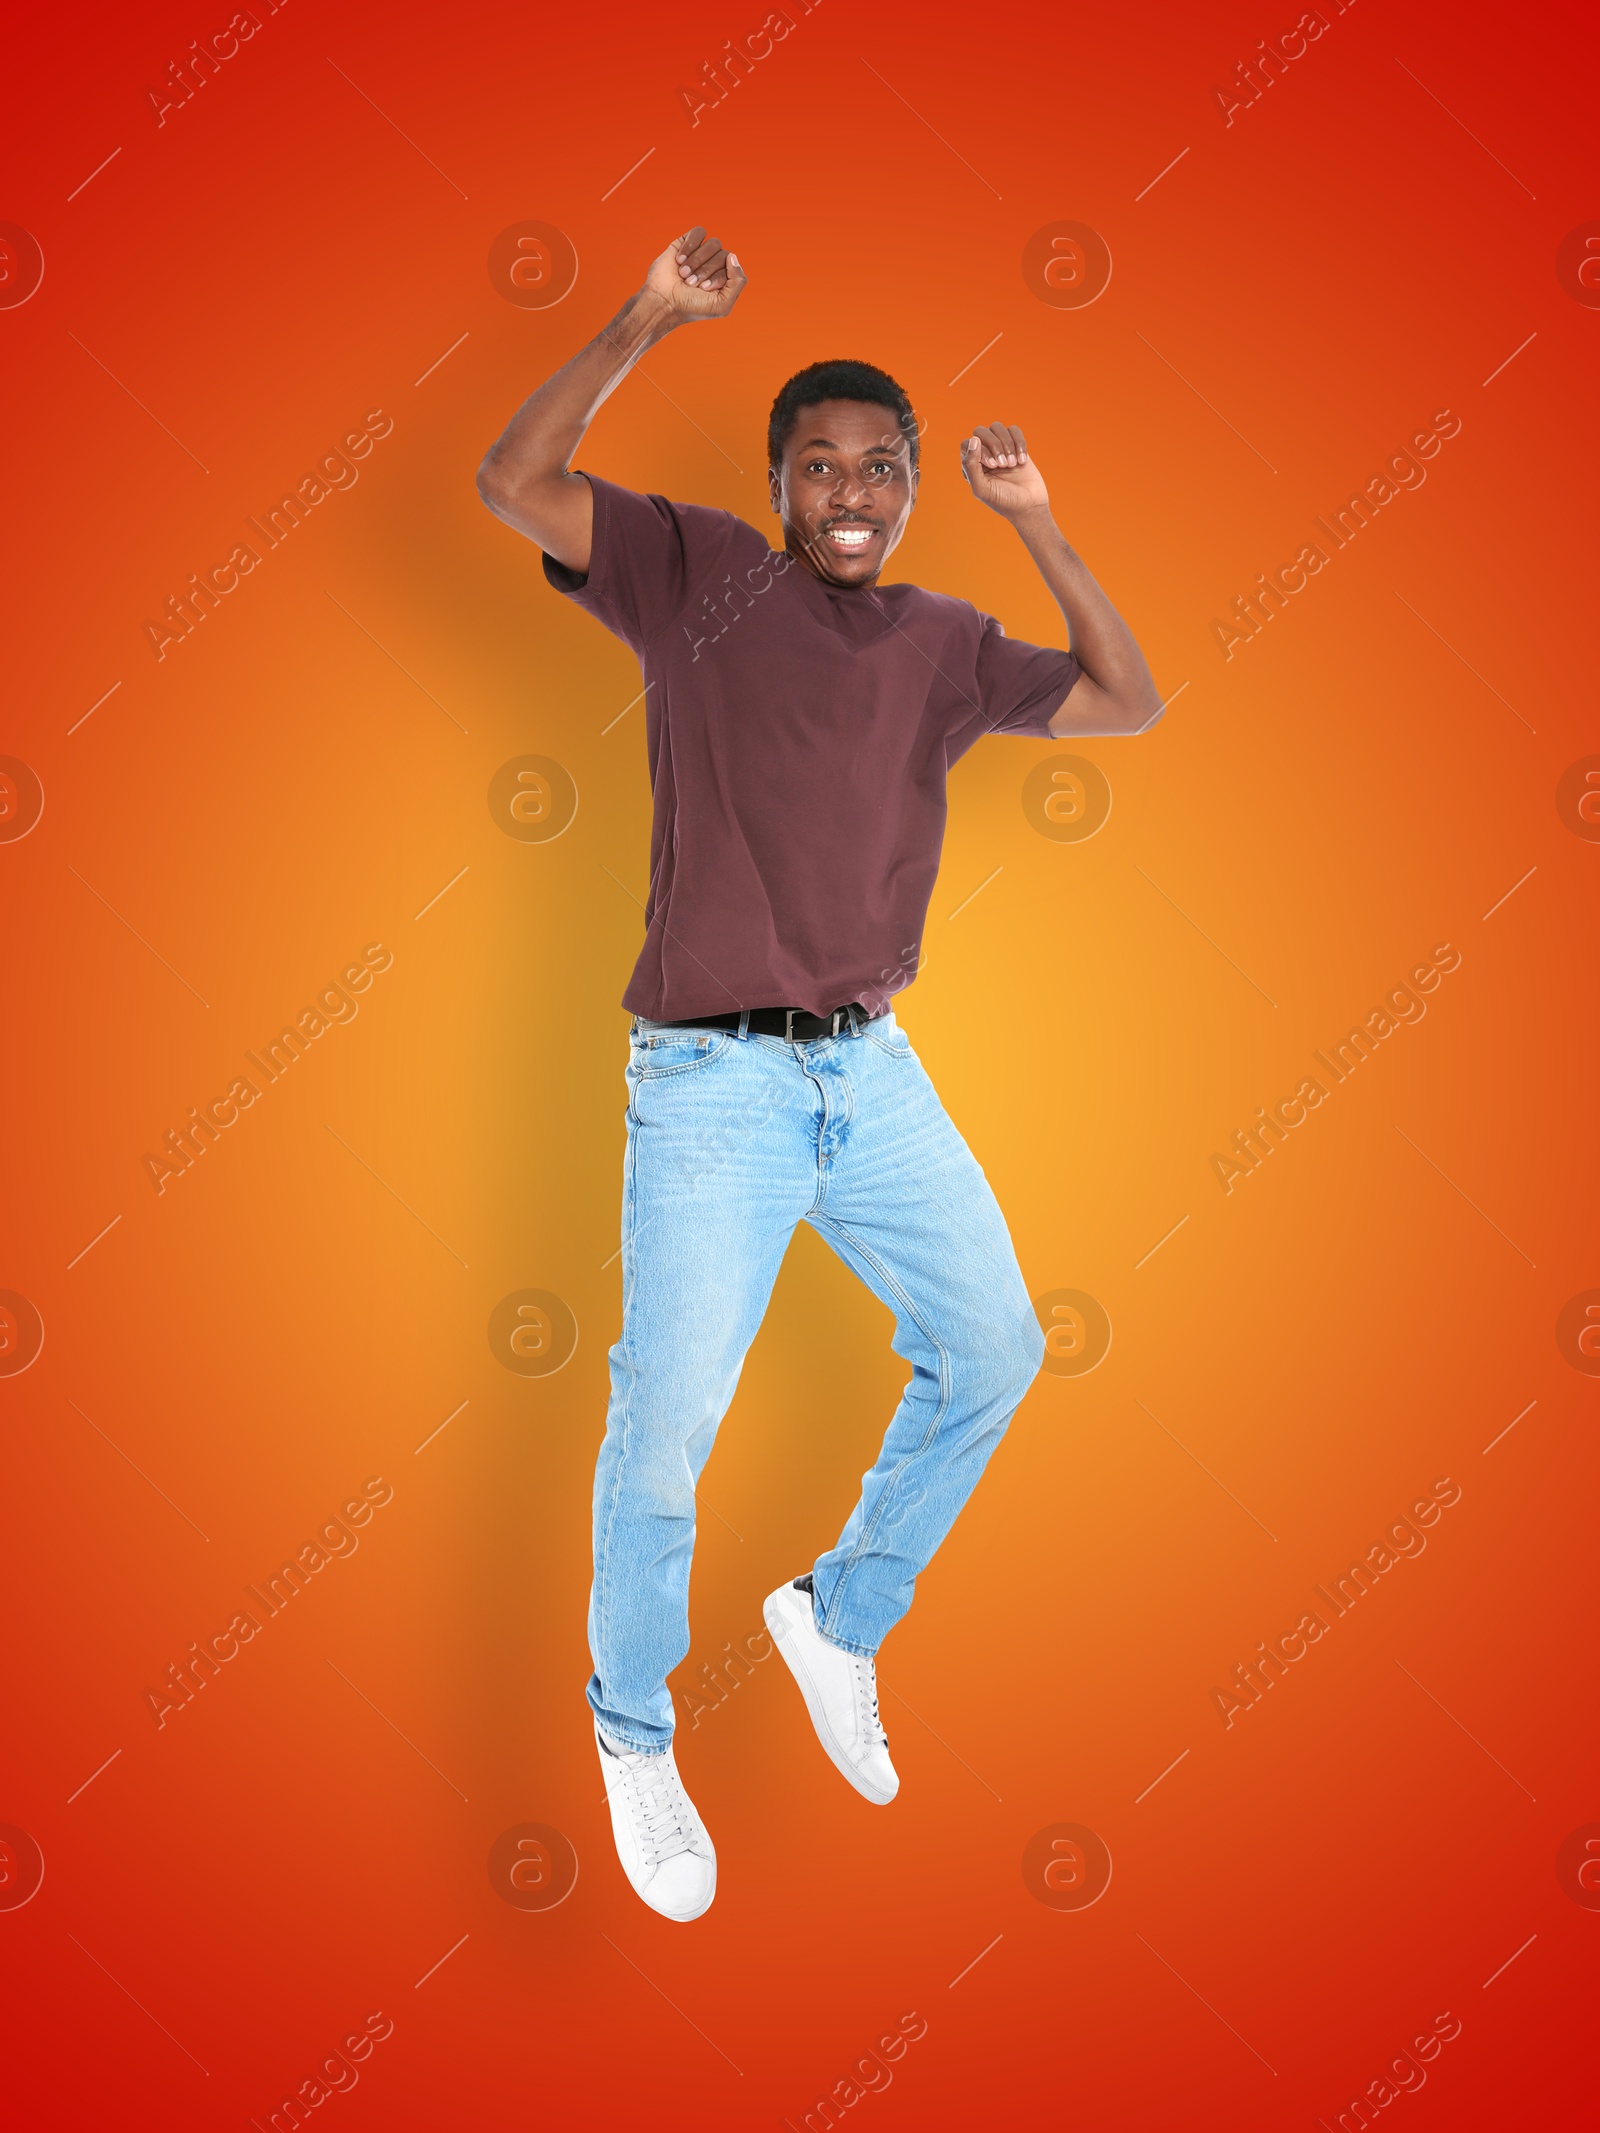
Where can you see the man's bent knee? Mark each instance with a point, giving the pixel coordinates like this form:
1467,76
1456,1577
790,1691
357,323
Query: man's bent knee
999,1374
1031,1344
1023,1358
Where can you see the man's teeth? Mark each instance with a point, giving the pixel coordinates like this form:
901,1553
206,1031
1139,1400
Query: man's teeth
850,536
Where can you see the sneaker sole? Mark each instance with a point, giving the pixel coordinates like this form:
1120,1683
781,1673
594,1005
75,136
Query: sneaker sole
678,1918
773,1616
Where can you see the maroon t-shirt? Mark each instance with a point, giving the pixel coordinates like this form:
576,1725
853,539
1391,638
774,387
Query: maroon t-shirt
799,735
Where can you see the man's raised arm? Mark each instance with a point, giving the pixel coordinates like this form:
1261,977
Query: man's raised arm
524,477
1115,693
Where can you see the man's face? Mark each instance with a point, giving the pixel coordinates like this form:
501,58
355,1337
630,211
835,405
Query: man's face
845,489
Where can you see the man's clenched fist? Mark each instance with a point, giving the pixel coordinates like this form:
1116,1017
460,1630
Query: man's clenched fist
696,277
999,472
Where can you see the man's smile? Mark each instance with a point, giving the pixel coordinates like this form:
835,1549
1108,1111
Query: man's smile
850,535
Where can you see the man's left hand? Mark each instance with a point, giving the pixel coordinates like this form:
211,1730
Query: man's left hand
999,472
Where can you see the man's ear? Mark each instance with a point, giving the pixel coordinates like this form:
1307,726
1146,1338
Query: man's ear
775,489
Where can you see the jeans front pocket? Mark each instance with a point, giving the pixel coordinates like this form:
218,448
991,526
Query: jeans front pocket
667,1052
893,1040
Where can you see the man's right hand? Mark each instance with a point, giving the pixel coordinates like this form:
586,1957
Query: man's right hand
696,278
526,476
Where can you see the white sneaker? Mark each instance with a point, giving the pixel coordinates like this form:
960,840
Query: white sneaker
841,1693
661,1841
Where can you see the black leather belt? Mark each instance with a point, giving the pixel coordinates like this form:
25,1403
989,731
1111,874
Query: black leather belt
786,1022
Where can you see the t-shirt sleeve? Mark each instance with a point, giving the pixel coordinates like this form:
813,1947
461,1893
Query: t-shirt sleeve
647,560
1020,686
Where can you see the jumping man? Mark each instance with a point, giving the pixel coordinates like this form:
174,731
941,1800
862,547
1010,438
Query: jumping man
801,720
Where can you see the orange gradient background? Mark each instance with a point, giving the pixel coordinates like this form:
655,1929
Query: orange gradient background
305,1844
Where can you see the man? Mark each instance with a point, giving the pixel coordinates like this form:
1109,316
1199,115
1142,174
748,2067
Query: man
801,719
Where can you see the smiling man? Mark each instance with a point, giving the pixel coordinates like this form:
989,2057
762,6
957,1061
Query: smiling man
801,720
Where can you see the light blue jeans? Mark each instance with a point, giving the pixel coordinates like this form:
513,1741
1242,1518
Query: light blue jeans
733,1138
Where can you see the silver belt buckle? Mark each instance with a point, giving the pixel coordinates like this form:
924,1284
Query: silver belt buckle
789,1014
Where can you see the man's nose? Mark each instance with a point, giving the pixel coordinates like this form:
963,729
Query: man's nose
851,491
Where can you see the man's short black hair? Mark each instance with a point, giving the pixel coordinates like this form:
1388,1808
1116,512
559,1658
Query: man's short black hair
840,378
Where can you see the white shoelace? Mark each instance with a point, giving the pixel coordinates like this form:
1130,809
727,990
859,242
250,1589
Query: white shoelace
658,1806
867,1702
